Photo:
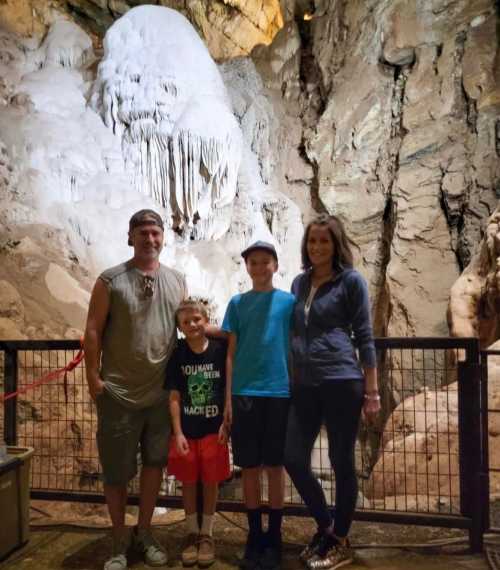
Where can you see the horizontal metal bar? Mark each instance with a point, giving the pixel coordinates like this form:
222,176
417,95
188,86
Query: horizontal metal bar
380,343
40,345
425,342
75,497
487,352
420,519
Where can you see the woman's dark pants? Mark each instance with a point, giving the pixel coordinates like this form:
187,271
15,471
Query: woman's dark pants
337,405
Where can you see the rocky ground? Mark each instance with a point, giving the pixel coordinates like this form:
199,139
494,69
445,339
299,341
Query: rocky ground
387,547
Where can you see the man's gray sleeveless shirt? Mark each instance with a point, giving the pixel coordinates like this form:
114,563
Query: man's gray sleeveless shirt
140,333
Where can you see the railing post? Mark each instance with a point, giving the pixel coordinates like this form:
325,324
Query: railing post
485,459
10,406
471,454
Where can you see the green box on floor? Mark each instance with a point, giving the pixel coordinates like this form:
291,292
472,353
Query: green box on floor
15,499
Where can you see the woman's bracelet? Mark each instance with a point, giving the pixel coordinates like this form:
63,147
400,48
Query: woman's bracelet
374,397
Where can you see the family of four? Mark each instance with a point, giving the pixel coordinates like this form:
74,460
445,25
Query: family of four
281,366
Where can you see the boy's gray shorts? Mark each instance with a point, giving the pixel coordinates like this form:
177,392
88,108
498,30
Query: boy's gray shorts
123,432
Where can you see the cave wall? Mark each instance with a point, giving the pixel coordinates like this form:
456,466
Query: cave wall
397,106
231,28
384,112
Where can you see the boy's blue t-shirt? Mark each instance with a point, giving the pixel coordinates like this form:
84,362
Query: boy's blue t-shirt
261,323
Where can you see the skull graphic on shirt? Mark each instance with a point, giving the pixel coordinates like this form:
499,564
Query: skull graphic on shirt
200,389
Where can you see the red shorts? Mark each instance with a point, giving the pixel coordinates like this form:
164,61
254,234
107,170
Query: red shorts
207,461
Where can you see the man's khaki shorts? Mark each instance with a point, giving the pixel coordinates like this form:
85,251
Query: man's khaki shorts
123,432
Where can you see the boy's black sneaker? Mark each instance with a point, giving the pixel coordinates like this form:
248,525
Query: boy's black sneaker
271,555
271,558
253,553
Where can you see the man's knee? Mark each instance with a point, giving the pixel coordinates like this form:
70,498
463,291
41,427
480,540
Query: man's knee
114,477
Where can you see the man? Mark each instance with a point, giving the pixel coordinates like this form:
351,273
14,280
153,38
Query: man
129,337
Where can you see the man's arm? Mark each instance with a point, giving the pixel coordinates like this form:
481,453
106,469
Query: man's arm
228,407
92,342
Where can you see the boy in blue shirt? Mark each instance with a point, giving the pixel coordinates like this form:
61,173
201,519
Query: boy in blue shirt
258,324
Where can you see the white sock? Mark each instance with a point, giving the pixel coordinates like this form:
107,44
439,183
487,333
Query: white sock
207,524
192,524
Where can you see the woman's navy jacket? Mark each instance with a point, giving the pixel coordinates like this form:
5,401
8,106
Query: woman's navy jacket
339,320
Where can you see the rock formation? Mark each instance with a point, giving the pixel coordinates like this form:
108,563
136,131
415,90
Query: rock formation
397,127
159,90
420,440
230,29
386,112
474,308
169,140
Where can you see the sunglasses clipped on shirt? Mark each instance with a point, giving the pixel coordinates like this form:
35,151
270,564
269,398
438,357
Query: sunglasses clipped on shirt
148,286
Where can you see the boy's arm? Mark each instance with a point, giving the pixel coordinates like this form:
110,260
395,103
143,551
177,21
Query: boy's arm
213,331
175,412
228,408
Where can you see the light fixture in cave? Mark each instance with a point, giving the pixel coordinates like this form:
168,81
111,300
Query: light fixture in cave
308,16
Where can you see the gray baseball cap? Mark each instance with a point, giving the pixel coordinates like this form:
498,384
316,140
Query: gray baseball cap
262,246
144,218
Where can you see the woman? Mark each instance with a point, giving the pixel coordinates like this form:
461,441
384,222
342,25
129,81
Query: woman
329,385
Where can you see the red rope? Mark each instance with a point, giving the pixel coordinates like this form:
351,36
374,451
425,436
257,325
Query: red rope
48,378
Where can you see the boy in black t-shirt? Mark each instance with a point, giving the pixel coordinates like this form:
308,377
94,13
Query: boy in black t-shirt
196,376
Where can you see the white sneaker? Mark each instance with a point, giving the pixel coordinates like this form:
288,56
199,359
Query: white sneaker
145,543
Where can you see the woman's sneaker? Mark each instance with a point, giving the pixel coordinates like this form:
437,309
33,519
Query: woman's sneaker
310,550
331,555
189,555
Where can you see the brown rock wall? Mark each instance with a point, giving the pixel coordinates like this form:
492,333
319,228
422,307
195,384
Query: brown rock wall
398,114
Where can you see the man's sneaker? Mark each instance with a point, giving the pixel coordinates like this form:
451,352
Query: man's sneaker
311,549
118,560
336,556
206,551
145,543
189,555
253,552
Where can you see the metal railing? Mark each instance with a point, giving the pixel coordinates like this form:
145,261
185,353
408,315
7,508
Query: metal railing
425,462
490,401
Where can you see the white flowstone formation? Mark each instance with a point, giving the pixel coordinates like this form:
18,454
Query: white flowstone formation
159,90
81,154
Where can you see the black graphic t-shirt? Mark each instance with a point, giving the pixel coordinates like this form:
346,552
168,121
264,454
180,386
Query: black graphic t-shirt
201,380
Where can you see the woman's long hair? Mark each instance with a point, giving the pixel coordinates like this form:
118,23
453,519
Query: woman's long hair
342,253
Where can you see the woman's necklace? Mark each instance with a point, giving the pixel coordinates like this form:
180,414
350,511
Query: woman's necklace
318,280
